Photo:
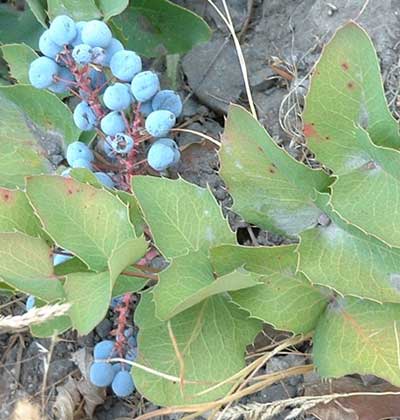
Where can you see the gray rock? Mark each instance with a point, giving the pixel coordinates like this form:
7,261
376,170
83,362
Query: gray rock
214,74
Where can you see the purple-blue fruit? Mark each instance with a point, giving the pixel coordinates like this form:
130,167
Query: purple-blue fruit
122,143
98,56
112,123
117,97
42,71
123,385
82,54
62,30
145,85
64,82
97,34
78,38
60,258
112,48
160,156
104,179
47,46
82,163
84,117
146,108
160,122
169,101
103,349
78,150
125,65
30,302
101,374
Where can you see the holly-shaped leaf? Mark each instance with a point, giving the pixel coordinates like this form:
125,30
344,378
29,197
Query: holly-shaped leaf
342,257
285,298
76,9
91,223
26,264
269,188
358,336
16,214
19,57
182,217
190,279
346,91
210,339
160,27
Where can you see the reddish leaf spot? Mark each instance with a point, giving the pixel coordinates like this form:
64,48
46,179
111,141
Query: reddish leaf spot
345,66
351,85
272,169
6,195
309,130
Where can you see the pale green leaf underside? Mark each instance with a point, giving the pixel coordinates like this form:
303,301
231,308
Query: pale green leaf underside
182,217
285,299
369,195
189,280
110,8
89,222
16,214
269,188
26,265
19,57
211,337
356,336
346,90
38,8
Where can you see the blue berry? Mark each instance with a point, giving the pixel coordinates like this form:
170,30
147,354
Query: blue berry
117,97
97,34
131,354
62,30
161,156
103,350
42,71
132,342
66,172
78,38
122,143
112,123
65,82
145,85
30,302
47,46
82,163
98,56
169,101
159,123
104,179
84,117
174,146
60,258
108,149
125,65
115,301
146,108
112,48
97,79
117,367
123,385
82,54
101,374
78,150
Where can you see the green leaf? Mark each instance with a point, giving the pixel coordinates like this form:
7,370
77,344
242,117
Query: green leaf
18,26
90,293
368,196
182,217
111,8
189,280
346,91
89,222
211,337
160,27
356,336
76,9
269,188
19,57
342,257
128,284
74,265
26,264
16,214
38,8
135,213
54,326
285,299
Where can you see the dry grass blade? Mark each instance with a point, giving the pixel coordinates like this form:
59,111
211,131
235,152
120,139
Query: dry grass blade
229,24
33,316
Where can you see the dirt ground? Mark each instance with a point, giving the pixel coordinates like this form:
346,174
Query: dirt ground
281,40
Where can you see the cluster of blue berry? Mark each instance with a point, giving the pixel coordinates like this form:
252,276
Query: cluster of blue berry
117,98
103,373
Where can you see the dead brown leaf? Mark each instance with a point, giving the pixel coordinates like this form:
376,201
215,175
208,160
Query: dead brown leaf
25,410
355,407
